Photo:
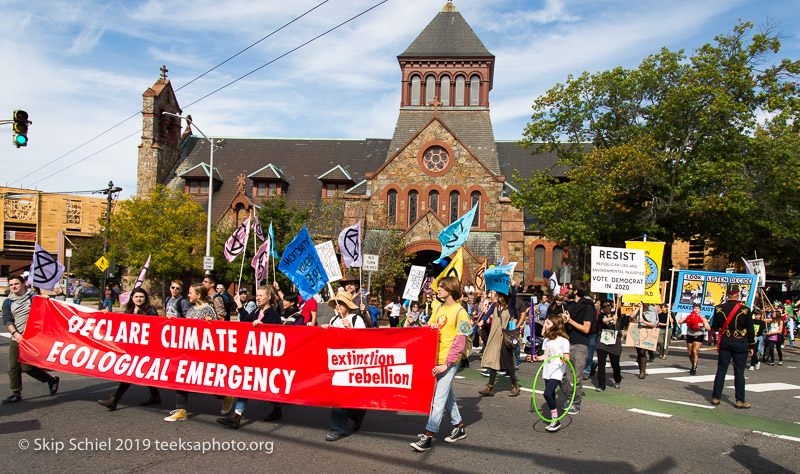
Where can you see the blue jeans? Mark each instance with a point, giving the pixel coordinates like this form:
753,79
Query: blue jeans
444,400
590,364
760,340
517,350
339,418
108,304
735,350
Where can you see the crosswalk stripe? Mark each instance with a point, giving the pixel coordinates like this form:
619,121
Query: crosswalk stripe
686,403
6,334
651,413
769,387
772,435
698,378
660,370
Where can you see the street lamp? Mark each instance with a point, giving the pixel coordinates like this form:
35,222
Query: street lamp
210,178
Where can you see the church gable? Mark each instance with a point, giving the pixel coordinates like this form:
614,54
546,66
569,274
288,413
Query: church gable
435,168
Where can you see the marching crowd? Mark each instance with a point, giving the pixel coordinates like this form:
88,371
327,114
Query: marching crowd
559,330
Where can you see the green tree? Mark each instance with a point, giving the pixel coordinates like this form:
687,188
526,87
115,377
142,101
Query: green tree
166,225
84,254
666,149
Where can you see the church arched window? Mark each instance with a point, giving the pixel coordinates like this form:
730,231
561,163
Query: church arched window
474,90
413,198
445,90
430,89
475,197
433,201
460,82
391,206
415,89
453,206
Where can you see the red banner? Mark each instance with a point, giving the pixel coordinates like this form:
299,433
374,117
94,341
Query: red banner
385,369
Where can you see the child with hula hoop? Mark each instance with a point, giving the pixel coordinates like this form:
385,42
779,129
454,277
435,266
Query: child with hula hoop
556,354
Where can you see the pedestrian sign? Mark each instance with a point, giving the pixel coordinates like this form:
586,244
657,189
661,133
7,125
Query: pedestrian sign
102,264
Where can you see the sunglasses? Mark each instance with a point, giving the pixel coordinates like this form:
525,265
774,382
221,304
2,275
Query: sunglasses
174,287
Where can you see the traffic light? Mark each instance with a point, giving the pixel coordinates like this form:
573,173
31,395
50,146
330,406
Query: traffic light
20,128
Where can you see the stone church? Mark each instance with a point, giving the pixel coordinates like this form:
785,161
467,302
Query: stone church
441,160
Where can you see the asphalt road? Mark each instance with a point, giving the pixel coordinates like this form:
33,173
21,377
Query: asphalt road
71,432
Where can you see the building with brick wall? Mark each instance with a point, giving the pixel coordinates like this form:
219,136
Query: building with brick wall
441,159
54,221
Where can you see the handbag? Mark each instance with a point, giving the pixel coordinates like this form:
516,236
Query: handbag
608,337
510,338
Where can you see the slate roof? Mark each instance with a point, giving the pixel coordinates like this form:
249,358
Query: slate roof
447,35
301,161
269,171
514,157
472,127
337,173
200,171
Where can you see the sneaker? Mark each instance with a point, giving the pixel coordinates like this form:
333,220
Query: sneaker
566,405
53,385
693,372
177,415
600,389
752,367
485,373
780,362
553,426
455,435
423,443
758,365
616,385
573,410
13,398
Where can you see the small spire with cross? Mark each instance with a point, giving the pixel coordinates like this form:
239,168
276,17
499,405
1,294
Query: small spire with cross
164,71
435,103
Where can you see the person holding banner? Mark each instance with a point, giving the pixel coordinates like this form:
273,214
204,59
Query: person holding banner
345,318
496,356
609,343
15,316
695,325
139,303
265,312
734,323
646,317
453,324
199,309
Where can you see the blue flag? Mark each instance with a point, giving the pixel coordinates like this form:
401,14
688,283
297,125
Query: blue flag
499,278
300,262
454,235
272,239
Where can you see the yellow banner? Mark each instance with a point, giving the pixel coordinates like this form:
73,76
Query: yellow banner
454,269
102,264
653,253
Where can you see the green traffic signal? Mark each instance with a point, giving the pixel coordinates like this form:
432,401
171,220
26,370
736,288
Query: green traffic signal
21,128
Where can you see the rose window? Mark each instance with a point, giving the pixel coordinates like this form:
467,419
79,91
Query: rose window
435,158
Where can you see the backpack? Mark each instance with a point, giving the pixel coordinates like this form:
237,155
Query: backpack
230,306
178,308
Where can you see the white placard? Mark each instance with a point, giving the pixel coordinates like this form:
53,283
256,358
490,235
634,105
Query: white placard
760,270
416,277
328,257
618,270
208,263
370,263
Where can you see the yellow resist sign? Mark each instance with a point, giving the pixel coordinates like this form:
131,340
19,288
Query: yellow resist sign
653,253
102,264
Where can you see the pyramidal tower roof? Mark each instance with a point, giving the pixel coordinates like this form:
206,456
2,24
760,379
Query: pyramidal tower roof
447,35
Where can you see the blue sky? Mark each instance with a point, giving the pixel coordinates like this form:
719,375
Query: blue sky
80,66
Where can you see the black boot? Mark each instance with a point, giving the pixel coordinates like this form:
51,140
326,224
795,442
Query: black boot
232,421
274,415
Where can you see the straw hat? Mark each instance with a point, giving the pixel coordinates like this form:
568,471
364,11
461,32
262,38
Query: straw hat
344,298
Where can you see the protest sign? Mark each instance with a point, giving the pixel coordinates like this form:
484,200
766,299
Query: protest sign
653,254
300,262
327,255
416,277
499,278
617,270
643,338
355,368
710,289
760,270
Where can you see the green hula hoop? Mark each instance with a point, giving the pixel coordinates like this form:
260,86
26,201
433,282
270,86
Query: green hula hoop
574,387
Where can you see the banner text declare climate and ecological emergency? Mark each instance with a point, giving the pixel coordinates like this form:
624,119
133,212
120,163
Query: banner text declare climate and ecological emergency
358,368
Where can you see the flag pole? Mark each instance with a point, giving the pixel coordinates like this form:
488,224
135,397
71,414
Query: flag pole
244,253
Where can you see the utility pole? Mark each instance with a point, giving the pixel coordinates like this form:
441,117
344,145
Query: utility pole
109,191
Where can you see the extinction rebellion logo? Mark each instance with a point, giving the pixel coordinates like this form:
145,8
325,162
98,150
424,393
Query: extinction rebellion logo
373,367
